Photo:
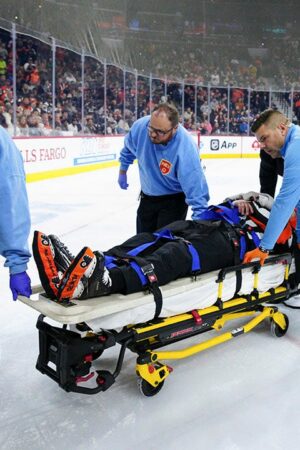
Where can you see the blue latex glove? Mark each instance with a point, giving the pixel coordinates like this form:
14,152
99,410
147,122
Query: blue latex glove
20,285
122,180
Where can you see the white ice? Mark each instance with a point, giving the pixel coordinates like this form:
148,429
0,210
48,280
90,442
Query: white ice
240,395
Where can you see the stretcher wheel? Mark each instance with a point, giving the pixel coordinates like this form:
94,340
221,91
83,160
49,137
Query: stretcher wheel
147,389
276,330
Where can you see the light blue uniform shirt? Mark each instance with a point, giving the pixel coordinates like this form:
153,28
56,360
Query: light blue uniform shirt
289,194
14,210
167,169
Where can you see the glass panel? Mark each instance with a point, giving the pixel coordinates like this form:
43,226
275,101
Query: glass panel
238,114
174,92
158,91
282,102
201,100
34,87
259,101
130,98
93,96
189,122
215,117
115,100
68,92
143,108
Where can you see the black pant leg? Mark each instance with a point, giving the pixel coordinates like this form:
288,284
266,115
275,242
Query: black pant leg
158,211
171,210
171,261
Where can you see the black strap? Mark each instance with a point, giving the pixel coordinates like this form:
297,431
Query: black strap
234,236
148,271
234,233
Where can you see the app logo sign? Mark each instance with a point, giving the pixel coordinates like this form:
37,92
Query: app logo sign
214,144
218,144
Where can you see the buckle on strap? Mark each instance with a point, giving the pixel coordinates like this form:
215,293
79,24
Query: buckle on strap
148,271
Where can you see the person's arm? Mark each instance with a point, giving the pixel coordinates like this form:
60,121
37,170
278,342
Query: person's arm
193,182
127,156
128,152
14,219
14,223
283,206
285,202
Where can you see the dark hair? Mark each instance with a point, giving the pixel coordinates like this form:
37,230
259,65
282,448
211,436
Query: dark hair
266,117
170,111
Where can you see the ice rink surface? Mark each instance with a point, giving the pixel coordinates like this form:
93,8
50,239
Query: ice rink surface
243,394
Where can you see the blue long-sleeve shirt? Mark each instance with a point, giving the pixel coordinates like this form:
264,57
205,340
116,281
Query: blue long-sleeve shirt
289,194
14,210
167,169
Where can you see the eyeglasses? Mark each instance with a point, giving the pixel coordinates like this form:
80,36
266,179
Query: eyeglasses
160,133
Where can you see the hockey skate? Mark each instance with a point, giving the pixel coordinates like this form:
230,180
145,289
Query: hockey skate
86,277
63,258
43,254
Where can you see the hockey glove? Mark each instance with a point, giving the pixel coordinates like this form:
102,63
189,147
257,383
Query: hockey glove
256,254
20,285
122,180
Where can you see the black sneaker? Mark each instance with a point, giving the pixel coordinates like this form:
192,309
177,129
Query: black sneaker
63,258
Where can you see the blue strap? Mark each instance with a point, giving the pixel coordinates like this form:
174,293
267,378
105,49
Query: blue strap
162,234
195,258
138,270
109,261
217,212
243,247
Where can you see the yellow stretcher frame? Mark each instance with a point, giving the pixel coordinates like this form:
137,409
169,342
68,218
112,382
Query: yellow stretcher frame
152,372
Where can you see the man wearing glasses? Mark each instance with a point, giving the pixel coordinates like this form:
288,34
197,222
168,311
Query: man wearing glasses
170,169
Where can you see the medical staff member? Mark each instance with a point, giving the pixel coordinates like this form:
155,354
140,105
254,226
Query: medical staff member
279,138
170,171
14,216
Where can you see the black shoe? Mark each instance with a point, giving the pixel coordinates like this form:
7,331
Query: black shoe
63,258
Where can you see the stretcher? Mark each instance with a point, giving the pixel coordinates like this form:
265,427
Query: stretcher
84,329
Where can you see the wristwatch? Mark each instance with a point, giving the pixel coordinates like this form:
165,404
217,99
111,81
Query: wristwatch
264,250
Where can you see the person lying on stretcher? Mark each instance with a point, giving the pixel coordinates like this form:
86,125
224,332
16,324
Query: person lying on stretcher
181,249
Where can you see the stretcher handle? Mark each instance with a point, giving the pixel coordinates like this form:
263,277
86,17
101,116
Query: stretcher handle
287,257
37,289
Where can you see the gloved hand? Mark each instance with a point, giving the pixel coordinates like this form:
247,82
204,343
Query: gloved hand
20,285
257,253
122,180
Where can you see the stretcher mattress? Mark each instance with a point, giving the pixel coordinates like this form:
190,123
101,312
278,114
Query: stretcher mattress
185,294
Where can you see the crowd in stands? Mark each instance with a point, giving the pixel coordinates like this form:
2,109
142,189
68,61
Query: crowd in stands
127,96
